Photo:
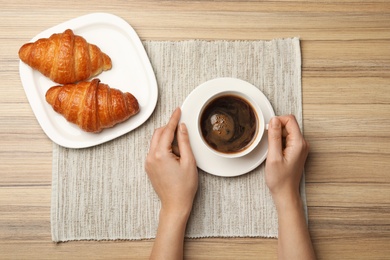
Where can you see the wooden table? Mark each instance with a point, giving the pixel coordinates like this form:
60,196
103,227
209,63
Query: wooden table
346,107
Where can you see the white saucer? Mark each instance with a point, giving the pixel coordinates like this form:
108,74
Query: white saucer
207,160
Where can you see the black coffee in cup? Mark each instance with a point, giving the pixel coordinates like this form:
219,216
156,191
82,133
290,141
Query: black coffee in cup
228,124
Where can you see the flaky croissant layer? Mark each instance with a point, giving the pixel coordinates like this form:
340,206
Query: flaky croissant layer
92,105
65,57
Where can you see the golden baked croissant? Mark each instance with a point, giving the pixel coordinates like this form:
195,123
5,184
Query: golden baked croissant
92,105
65,58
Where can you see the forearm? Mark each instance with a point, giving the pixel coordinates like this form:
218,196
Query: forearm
170,236
294,238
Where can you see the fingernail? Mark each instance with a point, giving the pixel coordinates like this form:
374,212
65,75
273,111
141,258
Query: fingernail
274,123
183,128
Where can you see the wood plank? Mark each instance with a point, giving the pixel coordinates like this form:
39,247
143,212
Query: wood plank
235,5
361,222
76,250
365,146
349,195
346,90
226,20
347,168
32,168
345,55
346,248
353,248
347,120
25,215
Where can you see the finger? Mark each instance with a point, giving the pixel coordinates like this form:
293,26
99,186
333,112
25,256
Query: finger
290,125
155,139
183,140
275,139
175,150
169,130
295,143
175,146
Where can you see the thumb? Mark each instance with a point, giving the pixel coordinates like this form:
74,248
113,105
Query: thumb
183,141
275,135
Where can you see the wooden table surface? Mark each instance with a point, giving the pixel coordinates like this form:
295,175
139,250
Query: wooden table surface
346,107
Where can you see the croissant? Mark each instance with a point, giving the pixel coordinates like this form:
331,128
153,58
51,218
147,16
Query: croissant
92,105
65,58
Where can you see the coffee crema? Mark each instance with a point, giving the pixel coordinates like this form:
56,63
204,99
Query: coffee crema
228,124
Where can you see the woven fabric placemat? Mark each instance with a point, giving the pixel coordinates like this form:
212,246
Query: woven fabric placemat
103,192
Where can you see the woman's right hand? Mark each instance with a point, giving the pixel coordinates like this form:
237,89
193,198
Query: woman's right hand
287,153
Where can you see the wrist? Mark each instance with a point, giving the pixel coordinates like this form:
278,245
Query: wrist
172,222
175,215
170,234
289,201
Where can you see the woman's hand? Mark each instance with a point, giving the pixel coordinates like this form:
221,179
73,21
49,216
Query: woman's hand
175,180
287,152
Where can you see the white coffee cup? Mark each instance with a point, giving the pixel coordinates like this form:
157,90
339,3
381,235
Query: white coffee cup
236,127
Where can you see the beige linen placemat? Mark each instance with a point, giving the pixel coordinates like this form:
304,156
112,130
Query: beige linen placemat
103,192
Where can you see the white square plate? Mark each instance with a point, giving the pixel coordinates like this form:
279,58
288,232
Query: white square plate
131,72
